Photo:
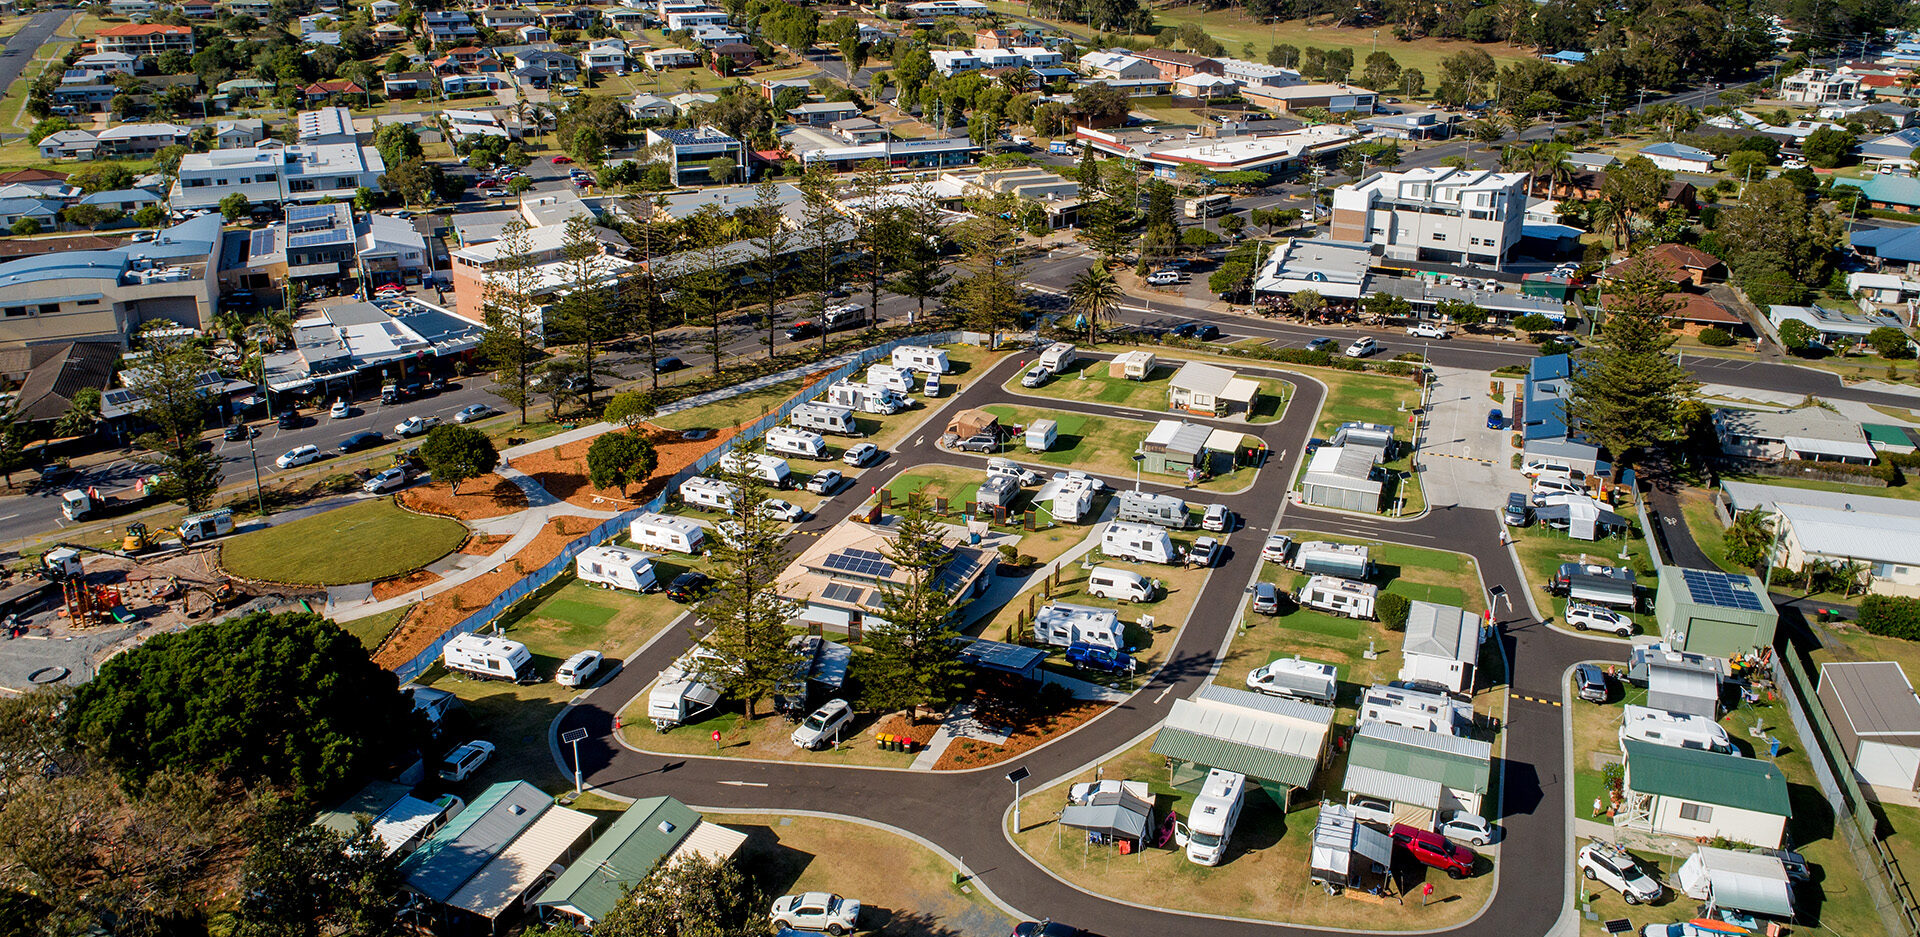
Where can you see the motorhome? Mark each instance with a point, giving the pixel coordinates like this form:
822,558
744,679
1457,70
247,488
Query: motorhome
681,692
1058,357
1319,557
797,442
1410,708
1061,624
1674,730
1007,468
866,398
1300,679
662,532
709,493
1072,502
1042,434
1141,543
824,418
899,380
488,657
925,360
615,568
770,469
1121,585
210,524
1211,819
1145,507
1343,597
1600,585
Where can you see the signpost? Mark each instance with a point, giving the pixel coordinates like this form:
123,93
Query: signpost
573,737
1016,776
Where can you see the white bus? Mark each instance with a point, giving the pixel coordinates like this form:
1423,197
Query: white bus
1207,206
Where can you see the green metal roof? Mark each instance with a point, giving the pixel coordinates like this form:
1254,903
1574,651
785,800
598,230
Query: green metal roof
1887,434
646,833
1463,767
371,801
1708,778
1254,762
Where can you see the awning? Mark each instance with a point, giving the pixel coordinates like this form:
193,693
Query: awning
315,270
1241,390
404,820
709,841
1839,448
502,881
1225,440
1747,881
1117,820
1373,844
1391,787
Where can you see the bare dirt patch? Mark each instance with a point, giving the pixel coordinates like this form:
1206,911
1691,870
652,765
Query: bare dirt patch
562,470
401,585
899,726
488,496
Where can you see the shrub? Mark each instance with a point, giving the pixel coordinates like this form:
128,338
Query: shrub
1392,607
1716,337
1893,616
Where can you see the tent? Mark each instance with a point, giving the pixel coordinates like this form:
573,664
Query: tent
1739,881
1345,850
1111,813
1584,518
969,423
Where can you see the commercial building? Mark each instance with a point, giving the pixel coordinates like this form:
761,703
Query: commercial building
1834,327
689,153
103,295
269,174
1281,154
1340,98
340,342
545,247
1117,65
1720,614
1175,65
1333,269
1441,214
1819,86
1874,711
325,125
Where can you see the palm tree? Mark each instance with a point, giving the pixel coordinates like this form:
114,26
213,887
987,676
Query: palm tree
1094,294
1017,79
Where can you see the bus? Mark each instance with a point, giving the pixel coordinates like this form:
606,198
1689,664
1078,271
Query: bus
1207,206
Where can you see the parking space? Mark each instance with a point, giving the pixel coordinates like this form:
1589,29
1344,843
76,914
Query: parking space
1466,462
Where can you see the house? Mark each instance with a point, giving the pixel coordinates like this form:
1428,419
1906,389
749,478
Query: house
100,66
484,861
391,250
69,144
687,20
691,152
384,10
1174,447
269,174
1548,432
1117,65
448,25
127,201
1205,87
1678,157
389,34
838,582
1894,148
1442,646
1691,793
238,133
1210,390
1894,249
532,32
1565,57
1707,611
936,8
1819,86
1281,743
607,57
1418,773
649,833
1880,190
1873,710
1834,327
144,39
651,107
1879,543
738,55
822,113
320,92
559,65
1175,65
48,376
1408,125
1684,265
1439,214
1342,477
406,84
713,37
658,59
1812,433
1338,97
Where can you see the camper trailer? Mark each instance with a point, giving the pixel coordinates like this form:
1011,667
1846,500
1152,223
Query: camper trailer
901,381
1600,585
1141,543
1072,502
924,360
1411,708
1121,585
1674,730
204,526
615,568
709,493
1145,507
1132,365
680,694
1321,558
1300,679
865,398
1058,357
770,469
997,491
489,658
1042,434
661,532
1343,597
1211,819
1061,624
797,442
824,418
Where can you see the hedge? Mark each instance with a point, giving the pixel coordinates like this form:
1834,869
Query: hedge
1892,616
1393,609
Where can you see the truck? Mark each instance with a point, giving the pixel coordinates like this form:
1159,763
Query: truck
865,398
1320,557
80,503
1211,819
1062,148
681,693
488,657
1141,543
1061,624
1146,507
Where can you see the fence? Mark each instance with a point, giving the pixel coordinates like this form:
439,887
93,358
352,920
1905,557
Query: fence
611,527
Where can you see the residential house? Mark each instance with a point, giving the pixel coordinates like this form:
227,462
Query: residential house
1006,37
650,833
70,144
48,376
938,8
1878,542
1418,773
134,9
1873,710
126,201
389,34
145,39
689,19
486,860
1117,65
238,133
1442,647
1210,390
1205,87
1696,794
391,250
607,56
1685,266
1442,214
407,84
448,25
822,113
384,10
660,59
1175,65
739,55
44,212
713,37
1884,191
533,33
507,19
1811,433
100,66
1819,86
651,107
1678,157
1707,611
1893,149
1834,327
475,265
1280,744
199,9
1547,432
690,151
322,92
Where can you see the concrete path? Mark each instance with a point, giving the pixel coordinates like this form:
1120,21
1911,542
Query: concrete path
959,724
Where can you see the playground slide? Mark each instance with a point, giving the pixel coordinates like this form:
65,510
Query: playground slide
124,615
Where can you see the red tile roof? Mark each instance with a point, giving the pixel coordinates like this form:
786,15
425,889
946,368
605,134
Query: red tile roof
335,86
145,29
32,175
1695,307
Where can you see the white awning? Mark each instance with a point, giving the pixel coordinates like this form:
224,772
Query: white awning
1842,448
314,270
710,841
1241,390
1391,787
1225,440
501,882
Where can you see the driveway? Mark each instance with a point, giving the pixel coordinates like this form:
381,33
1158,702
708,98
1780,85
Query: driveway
1464,463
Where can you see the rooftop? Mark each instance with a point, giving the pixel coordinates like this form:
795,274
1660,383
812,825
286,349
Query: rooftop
1875,698
1853,534
1707,778
1445,631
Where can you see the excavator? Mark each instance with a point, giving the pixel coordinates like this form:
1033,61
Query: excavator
136,539
218,595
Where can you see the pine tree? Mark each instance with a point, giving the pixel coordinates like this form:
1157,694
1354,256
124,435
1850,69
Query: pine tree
915,660
822,223
770,242
746,618
918,234
588,315
1627,385
511,345
872,234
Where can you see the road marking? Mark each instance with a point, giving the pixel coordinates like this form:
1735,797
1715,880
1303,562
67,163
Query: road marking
1163,694
1530,699
745,783
9,517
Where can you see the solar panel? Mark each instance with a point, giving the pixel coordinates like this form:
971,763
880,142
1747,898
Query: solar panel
860,563
315,240
305,212
1721,590
841,592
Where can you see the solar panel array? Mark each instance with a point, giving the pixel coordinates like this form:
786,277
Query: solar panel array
859,563
317,240
308,212
959,566
1721,590
841,592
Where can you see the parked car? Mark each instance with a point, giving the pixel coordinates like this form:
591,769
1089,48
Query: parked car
1496,419
1362,347
1323,343
816,910
1466,828
1198,331
1371,810
361,440
1585,617
463,761
386,480
861,455
1096,657
240,431
805,328
824,726
979,442
1544,488
288,420
1519,511
824,482
1037,375
1046,929
1217,518
1434,851
1276,548
1592,683
1617,869
339,410
688,586
782,510
579,669
1204,552
471,412
1266,598
415,425
1427,330
1164,278
562,160
668,363
298,455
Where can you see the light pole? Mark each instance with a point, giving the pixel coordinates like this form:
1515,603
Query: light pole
573,737
1138,457
259,495
1016,776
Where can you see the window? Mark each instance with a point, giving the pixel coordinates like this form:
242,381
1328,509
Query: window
47,309
1439,235
12,311
1888,570
1699,813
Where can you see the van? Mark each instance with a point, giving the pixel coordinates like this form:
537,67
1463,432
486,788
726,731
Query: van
1145,507
824,418
1549,468
709,493
203,526
886,375
1120,585
797,442
1343,597
917,358
1674,730
1007,468
1211,819
933,386
1546,487
866,398
1141,543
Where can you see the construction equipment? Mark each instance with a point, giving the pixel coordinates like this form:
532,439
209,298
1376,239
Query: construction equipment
218,596
136,538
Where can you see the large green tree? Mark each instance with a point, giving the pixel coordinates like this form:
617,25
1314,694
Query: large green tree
1628,385
511,345
692,897
745,616
456,453
1094,295
306,880
620,458
167,385
1776,242
914,659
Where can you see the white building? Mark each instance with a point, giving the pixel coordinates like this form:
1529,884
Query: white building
266,174
1439,214
1442,646
1819,86
1689,793
326,125
1874,711
389,245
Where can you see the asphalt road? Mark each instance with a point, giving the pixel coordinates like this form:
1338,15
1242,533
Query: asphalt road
22,45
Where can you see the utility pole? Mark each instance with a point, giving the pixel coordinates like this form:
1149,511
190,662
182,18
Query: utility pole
259,494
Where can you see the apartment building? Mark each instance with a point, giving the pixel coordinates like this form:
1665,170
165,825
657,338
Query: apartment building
144,39
1438,214
690,151
545,246
1173,65
273,173
1819,86
103,295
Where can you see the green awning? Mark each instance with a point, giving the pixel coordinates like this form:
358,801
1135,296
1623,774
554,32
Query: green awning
1252,761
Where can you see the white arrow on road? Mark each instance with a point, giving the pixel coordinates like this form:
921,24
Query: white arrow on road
744,783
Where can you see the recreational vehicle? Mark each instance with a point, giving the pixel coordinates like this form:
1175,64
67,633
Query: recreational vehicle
1061,624
662,532
1121,585
1211,819
797,442
709,493
680,693
1343,597
997,491
866,398
1301,679
1146,507
1321,558
770,469
1600,585
1674,730
1132,365
488,657
1072,503
1141,543
824,418
1410,708
925,360
1042,434
615,568
885,375
1057,357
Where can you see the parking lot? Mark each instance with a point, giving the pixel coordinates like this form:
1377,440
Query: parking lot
1466,463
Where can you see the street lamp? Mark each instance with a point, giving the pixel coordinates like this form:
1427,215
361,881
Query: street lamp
1016,776
1138,457
259,495
574,737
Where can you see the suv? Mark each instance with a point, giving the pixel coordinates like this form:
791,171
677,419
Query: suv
1371,810
1434,851
824,726
1037,375
1616,868
688,586
1591,682
1217,518
1266,599
1585,617
1323,343
1164,278
1276,548
861,454
1362,347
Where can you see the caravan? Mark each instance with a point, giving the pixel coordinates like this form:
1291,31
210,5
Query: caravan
1042,434
1211,820
1061,625
1121,585
1674,730
1148,508
1141,543
797,442
866,398
770,469
661,532
896,379
824,418
1598,585
711,494
1071,502
680,693
489,658
924,360
1412,708
1058,357
1321,558
1342,597
615,568
1301,679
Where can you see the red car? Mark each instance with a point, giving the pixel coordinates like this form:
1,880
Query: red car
487,184
1435,851
562,160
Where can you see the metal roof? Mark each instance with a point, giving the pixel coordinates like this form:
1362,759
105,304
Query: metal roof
1875,698
998,655
1392,786
647,832
1666,680
1238,731
1748,881
1707,778
1460,763
504,880
458,850
1445,631
370,801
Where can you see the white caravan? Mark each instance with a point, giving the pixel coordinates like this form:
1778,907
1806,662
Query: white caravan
1342,597
1211,819
924,360
1061,624
1141,543
824,418
1423,710
710,493
770,469
806,444
680,694
1058,357
899,380
1674,730
488,657
866,398
664,532
1148,507
616,569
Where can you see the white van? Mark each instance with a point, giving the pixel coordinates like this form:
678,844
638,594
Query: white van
1120,585
1007,468
824,418
1548,468
1211,819
710,493
917,358
661,532
1343,597
799,442
886,375
769,469
1674,730
1141,543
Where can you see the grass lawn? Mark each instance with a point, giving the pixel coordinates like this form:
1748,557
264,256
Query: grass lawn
1100,444
1086,380
766,738
1262,877
1542,550
374,629
1846,642
733,411
1370,398
357,543
581,617
957,485
1704,525
1180,589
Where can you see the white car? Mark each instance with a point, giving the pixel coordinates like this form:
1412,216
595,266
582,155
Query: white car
1543,488
1276,548
579,669
1617,869
340,410
1427,330
779,510
1594,618
1464,827
1217,518
385,481
1362,347
462,762
861,454
471,412
1204,552
825,726
415,425
298,455
824,482
1371,810
1037,375
816,910
1163,278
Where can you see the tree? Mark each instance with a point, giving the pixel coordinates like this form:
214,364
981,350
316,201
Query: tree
83,413
919,231
1381,71
102,176
1627,386
13,441
1775,243
720,170
46,128
1798,337
1890,342
235,206
1632,189
415,180
561,379
691,897
620,458
587,314
744,611
1826,147
25,227
915,658
167,385
1093,295
291,699
770,242
302,879
989,295
397,143
631,409
510,304
1749,539
455,453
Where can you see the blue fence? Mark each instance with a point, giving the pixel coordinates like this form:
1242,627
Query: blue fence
614,525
